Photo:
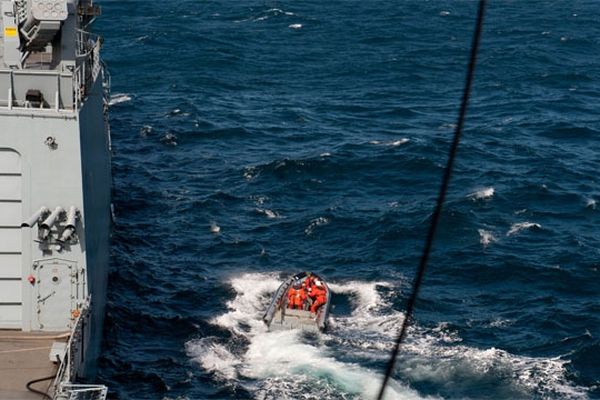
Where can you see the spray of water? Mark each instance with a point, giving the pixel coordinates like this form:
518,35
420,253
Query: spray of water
346,363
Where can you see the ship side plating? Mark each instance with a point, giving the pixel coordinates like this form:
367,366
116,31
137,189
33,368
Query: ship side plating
54,181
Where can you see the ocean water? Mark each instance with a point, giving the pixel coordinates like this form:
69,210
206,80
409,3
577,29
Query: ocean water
256,139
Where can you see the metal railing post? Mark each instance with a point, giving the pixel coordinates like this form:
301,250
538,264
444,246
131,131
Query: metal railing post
10,90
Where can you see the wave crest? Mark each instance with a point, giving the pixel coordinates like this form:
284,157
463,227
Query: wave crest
482,193
520,226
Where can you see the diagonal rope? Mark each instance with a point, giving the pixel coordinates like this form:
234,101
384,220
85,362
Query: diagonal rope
440,200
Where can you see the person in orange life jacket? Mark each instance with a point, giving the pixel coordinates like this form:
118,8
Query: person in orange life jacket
309,281
296,296
319,295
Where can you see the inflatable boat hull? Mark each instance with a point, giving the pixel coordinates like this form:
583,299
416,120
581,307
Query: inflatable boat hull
279,317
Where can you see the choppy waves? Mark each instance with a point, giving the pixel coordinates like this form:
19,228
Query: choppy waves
282,364
313,135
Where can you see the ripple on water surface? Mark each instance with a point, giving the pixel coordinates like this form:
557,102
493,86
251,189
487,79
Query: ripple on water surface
252,141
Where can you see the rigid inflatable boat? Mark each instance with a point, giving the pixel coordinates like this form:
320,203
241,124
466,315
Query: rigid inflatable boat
283,314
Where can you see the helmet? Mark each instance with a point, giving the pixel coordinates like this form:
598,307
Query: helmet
297,284
318,283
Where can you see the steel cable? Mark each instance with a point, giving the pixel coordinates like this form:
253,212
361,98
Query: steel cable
440,200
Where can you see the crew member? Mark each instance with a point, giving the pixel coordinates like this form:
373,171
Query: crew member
309,282
296,296
319,295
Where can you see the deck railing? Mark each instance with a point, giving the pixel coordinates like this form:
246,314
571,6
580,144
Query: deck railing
62,91
63,384
56,87
89,65
69,363
82,392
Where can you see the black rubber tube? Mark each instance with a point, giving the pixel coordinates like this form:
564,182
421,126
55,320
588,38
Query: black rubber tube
45,395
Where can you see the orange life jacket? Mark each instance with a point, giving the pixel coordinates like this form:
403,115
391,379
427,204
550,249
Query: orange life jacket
318,292
309,281
296,296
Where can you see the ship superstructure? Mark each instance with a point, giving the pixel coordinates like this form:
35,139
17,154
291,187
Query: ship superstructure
55,184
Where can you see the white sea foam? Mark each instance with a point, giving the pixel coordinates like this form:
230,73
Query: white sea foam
214,357
392,143
253,292
590,203
482,193
178,111
433,362
118,98
499,323
278,11
399,142
214,228
486,237
371,326
295,26
445,334
283,364
169,139
283,355
447,125
314,223
268,213
251,173
146,130
272,12
325,155
260,200
367,297
444,13
518,227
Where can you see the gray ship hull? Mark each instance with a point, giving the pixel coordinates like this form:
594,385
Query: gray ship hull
76,172
55,194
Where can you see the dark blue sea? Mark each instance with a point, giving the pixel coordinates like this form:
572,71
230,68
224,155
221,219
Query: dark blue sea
256,139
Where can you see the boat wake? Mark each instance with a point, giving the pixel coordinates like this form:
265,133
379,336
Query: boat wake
346,362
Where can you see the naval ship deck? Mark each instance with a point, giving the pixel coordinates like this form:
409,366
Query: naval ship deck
24,356
60,89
